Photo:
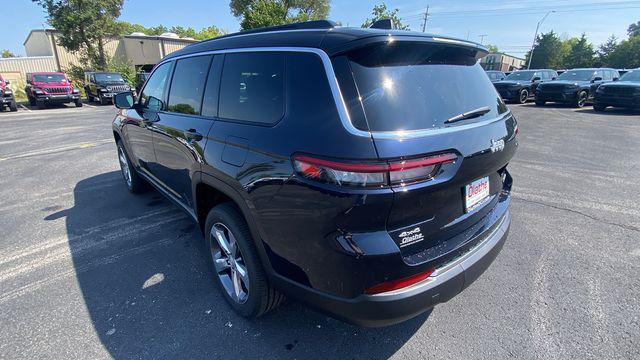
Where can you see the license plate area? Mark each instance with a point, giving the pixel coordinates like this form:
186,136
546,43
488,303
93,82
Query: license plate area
475,193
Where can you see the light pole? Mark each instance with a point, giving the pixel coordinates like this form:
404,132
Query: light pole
535,37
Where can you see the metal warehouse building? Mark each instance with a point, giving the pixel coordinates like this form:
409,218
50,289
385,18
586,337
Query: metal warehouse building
45,54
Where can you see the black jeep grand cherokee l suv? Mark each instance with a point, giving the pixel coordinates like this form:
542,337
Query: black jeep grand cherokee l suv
361,171
519,86
575,87
623,93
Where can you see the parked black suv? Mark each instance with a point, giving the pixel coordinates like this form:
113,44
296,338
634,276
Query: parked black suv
623,93
520,85
362,171
102,86
575,87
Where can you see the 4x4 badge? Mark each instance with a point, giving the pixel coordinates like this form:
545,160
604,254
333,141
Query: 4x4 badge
497,145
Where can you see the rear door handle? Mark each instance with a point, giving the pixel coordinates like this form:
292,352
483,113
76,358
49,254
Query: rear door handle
192,134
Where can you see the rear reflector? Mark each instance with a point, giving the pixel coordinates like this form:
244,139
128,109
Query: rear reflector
370,174
398,284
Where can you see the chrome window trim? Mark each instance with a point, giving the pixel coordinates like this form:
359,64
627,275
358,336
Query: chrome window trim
341,106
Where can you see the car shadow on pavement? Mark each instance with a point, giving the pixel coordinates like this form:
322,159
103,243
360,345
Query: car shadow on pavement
141,267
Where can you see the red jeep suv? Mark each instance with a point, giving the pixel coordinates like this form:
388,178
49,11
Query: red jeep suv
44,88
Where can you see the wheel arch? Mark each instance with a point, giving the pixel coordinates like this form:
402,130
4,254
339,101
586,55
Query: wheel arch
209,192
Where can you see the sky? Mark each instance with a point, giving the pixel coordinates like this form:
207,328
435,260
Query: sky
508,24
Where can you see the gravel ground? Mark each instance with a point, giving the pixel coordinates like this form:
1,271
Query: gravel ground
89,271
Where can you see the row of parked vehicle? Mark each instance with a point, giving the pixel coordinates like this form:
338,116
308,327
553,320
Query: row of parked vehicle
49,88
601,87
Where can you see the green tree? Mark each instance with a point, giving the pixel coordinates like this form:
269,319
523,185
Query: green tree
626,54
492,48
634,29
263,13
212,31
7,54
580,55
605,50
548,53
277,12
85,26
380,12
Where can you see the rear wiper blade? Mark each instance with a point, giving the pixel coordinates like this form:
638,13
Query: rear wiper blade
469,115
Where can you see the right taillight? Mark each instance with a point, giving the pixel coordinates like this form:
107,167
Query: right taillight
373,174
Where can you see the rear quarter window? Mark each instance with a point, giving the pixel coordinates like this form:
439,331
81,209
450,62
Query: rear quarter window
252,87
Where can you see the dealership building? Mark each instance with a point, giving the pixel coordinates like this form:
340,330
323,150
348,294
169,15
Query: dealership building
43,53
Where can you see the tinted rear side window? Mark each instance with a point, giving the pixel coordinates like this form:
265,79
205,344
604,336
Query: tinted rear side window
187,85
252,87
408,86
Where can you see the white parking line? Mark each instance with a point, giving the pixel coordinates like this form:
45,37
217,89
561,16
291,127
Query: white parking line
55,149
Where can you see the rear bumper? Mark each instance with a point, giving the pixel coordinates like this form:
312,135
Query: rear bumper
400,305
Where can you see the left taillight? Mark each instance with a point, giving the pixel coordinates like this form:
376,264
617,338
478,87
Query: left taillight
371,174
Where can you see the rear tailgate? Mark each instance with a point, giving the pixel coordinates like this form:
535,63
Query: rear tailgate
426,98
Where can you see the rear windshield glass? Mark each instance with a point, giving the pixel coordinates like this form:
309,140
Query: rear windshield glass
522,75
407,86
49,78
577,75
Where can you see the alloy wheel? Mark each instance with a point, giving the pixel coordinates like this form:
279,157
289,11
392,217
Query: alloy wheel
582,99
229,263
124,166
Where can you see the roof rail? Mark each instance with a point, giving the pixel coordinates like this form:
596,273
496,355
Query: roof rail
310,25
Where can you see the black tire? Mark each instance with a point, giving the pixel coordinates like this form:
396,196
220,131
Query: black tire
78,103
13,107
581,99
40,104
523,95
540,102
599,107
134,183
261,297
32,101
89,96
103,101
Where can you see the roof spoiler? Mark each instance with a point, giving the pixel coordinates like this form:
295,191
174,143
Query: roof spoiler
384,24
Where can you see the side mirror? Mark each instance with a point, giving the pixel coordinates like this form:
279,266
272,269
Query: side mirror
537,78
597,78
553,78
123,100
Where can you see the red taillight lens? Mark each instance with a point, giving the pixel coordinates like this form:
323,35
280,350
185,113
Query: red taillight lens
370,174
399,283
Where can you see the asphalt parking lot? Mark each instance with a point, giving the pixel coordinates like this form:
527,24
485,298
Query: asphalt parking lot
89,271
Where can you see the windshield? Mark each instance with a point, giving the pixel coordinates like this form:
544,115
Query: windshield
631,76
49,78
414,86
495,75
522,75
104,77
577,75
